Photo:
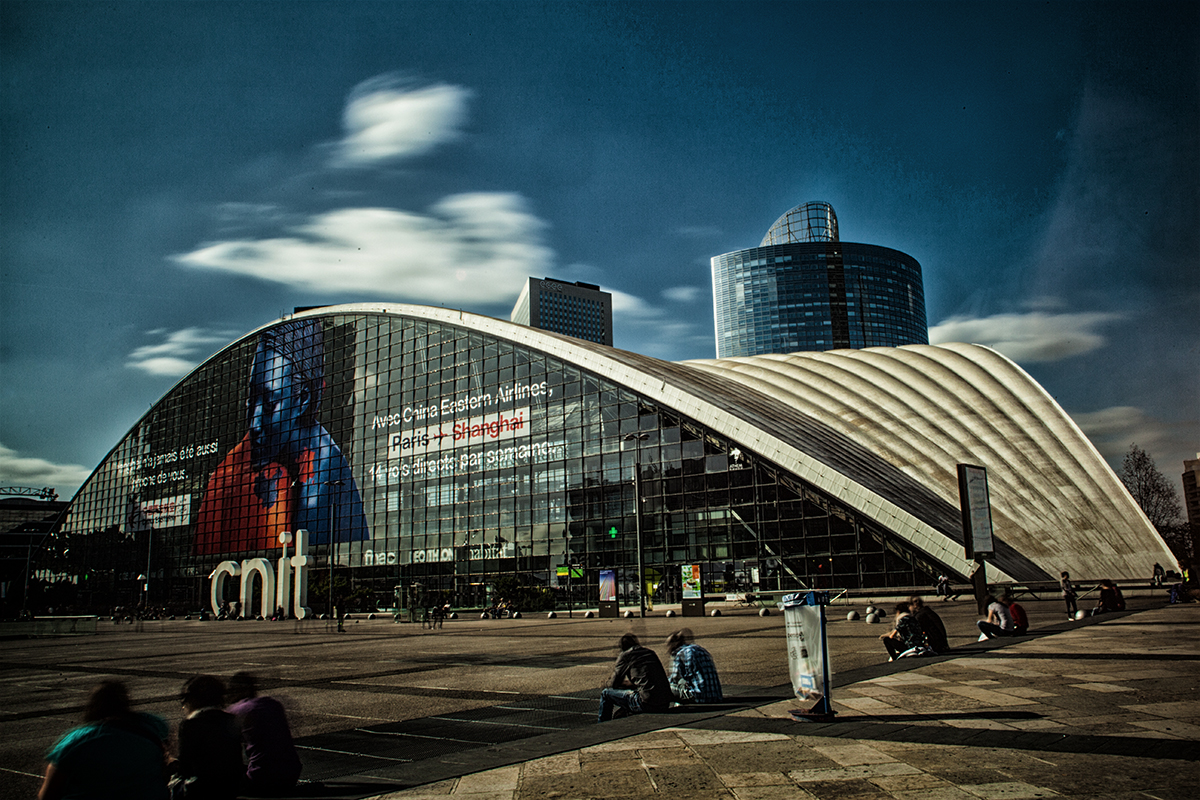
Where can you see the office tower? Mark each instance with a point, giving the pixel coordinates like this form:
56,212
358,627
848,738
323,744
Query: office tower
576,309
803,288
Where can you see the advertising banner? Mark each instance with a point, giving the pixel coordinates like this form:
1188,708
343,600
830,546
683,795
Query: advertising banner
608,585
690,578
806,648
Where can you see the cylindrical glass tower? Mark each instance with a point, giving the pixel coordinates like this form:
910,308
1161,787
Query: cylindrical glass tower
803,289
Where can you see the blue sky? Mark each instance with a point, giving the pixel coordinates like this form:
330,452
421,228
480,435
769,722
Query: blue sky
176,174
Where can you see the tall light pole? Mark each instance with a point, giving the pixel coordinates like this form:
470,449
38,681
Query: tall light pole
637,515
333,493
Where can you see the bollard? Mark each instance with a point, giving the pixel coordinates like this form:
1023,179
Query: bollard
552,615
588,615
716,612
872,619
764,612
852,616
670,612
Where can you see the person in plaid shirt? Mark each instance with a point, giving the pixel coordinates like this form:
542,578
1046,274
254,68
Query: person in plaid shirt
693,675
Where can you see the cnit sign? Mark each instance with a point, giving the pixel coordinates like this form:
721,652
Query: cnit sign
289,592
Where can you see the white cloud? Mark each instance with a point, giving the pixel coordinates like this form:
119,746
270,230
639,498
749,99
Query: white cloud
474,248
1112,430
16,470
656,331
388,118
1029,337
178,353
683,294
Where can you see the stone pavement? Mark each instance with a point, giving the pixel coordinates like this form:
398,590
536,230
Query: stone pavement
1108,708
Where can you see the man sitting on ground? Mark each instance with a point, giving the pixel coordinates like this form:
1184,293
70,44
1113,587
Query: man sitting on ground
693,675
1019,619
638,683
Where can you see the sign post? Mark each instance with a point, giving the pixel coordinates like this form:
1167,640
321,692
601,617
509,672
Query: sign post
808,653
977,526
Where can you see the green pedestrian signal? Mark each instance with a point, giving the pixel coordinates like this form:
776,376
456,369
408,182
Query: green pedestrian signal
612,532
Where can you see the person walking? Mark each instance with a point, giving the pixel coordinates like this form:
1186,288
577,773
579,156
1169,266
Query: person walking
1069,594
639,683
116,754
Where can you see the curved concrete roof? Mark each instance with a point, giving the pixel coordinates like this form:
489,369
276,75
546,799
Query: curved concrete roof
883,429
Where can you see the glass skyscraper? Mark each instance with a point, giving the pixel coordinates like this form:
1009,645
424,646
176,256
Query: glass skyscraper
804,289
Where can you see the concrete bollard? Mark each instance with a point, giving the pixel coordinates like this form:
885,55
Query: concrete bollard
588,615
670,612
515,615
764,612
716,612
552,615
872,619
627,615
871,610
852,616
1081,614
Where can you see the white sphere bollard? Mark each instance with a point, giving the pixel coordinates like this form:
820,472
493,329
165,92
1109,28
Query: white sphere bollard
588,615
764,612
454,615
872,619
716,612
484,615
370,616
628,615
670,612
515,615
852,616
871,610
552,615
1081,614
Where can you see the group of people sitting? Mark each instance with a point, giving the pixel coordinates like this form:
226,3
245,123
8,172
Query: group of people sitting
231,741
640,684
917,630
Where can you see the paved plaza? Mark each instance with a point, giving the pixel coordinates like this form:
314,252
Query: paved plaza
505,708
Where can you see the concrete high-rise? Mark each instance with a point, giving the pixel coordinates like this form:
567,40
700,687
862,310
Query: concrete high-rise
575,309
803,288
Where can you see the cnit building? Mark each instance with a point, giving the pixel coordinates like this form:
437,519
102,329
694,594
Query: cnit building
429,447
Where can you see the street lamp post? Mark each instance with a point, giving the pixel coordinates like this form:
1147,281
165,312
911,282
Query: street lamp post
637,516
332,534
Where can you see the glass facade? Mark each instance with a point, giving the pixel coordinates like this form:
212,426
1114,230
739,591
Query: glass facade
424,456
787,298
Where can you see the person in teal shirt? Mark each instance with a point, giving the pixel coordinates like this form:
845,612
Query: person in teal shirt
117,754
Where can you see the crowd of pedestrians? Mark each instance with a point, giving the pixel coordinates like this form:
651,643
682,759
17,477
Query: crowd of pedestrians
229,742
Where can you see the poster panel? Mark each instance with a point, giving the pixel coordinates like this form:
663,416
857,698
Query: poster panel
608,585
806,656
976,511
690,578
